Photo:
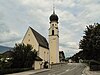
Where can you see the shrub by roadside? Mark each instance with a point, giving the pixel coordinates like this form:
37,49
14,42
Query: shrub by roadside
14,70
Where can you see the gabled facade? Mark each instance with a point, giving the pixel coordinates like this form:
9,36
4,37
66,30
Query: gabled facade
39,43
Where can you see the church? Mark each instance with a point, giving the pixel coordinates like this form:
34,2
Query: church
48,52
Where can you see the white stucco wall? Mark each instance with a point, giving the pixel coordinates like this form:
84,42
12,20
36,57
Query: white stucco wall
29,38
44,53
54,27
54,49
37,65
54,43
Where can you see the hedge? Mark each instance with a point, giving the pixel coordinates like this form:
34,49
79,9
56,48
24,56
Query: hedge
13,70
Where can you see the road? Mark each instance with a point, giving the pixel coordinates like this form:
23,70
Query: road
65,69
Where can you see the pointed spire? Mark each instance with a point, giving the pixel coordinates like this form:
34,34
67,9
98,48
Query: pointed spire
53,7
53,10
53,17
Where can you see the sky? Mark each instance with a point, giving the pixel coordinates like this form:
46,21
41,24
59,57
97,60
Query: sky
74,15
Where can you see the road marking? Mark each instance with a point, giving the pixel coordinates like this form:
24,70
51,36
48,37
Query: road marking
66,71
51,74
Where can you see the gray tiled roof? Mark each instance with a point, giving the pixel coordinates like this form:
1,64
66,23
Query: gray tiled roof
61,54
38,58
8,54
41,40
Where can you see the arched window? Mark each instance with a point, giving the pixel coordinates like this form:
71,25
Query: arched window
52,32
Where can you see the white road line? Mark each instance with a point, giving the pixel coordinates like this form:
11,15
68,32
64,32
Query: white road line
51,74
67,71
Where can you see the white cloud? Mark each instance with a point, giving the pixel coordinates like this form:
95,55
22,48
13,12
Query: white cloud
74,15
7,35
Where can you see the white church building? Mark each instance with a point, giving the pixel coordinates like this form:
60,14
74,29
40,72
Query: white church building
48,52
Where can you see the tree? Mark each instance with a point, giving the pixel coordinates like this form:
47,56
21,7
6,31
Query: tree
90,44
21,55
30,57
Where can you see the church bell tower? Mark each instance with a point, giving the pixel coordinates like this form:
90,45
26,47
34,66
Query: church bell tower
54,39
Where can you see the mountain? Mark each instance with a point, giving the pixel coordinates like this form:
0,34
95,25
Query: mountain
4,49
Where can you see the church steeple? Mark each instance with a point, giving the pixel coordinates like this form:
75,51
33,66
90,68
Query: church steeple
54,17
54,38
53,9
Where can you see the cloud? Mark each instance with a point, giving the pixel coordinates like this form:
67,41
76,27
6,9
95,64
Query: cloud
73,21
74,15
7,35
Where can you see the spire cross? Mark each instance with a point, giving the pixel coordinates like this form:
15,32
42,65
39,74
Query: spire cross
53,7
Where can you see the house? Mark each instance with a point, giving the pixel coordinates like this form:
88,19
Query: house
61,56
7,56
39,43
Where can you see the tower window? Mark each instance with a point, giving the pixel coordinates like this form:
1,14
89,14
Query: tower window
52,32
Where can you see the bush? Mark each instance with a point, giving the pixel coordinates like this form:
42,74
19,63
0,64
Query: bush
94,65
14,70
1,72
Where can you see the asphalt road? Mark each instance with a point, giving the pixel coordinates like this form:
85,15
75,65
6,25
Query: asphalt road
65,69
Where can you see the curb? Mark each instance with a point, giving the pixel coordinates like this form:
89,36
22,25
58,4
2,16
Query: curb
83,72
40,71
31,72
86,71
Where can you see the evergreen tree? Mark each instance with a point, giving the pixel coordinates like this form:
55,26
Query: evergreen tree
90,44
